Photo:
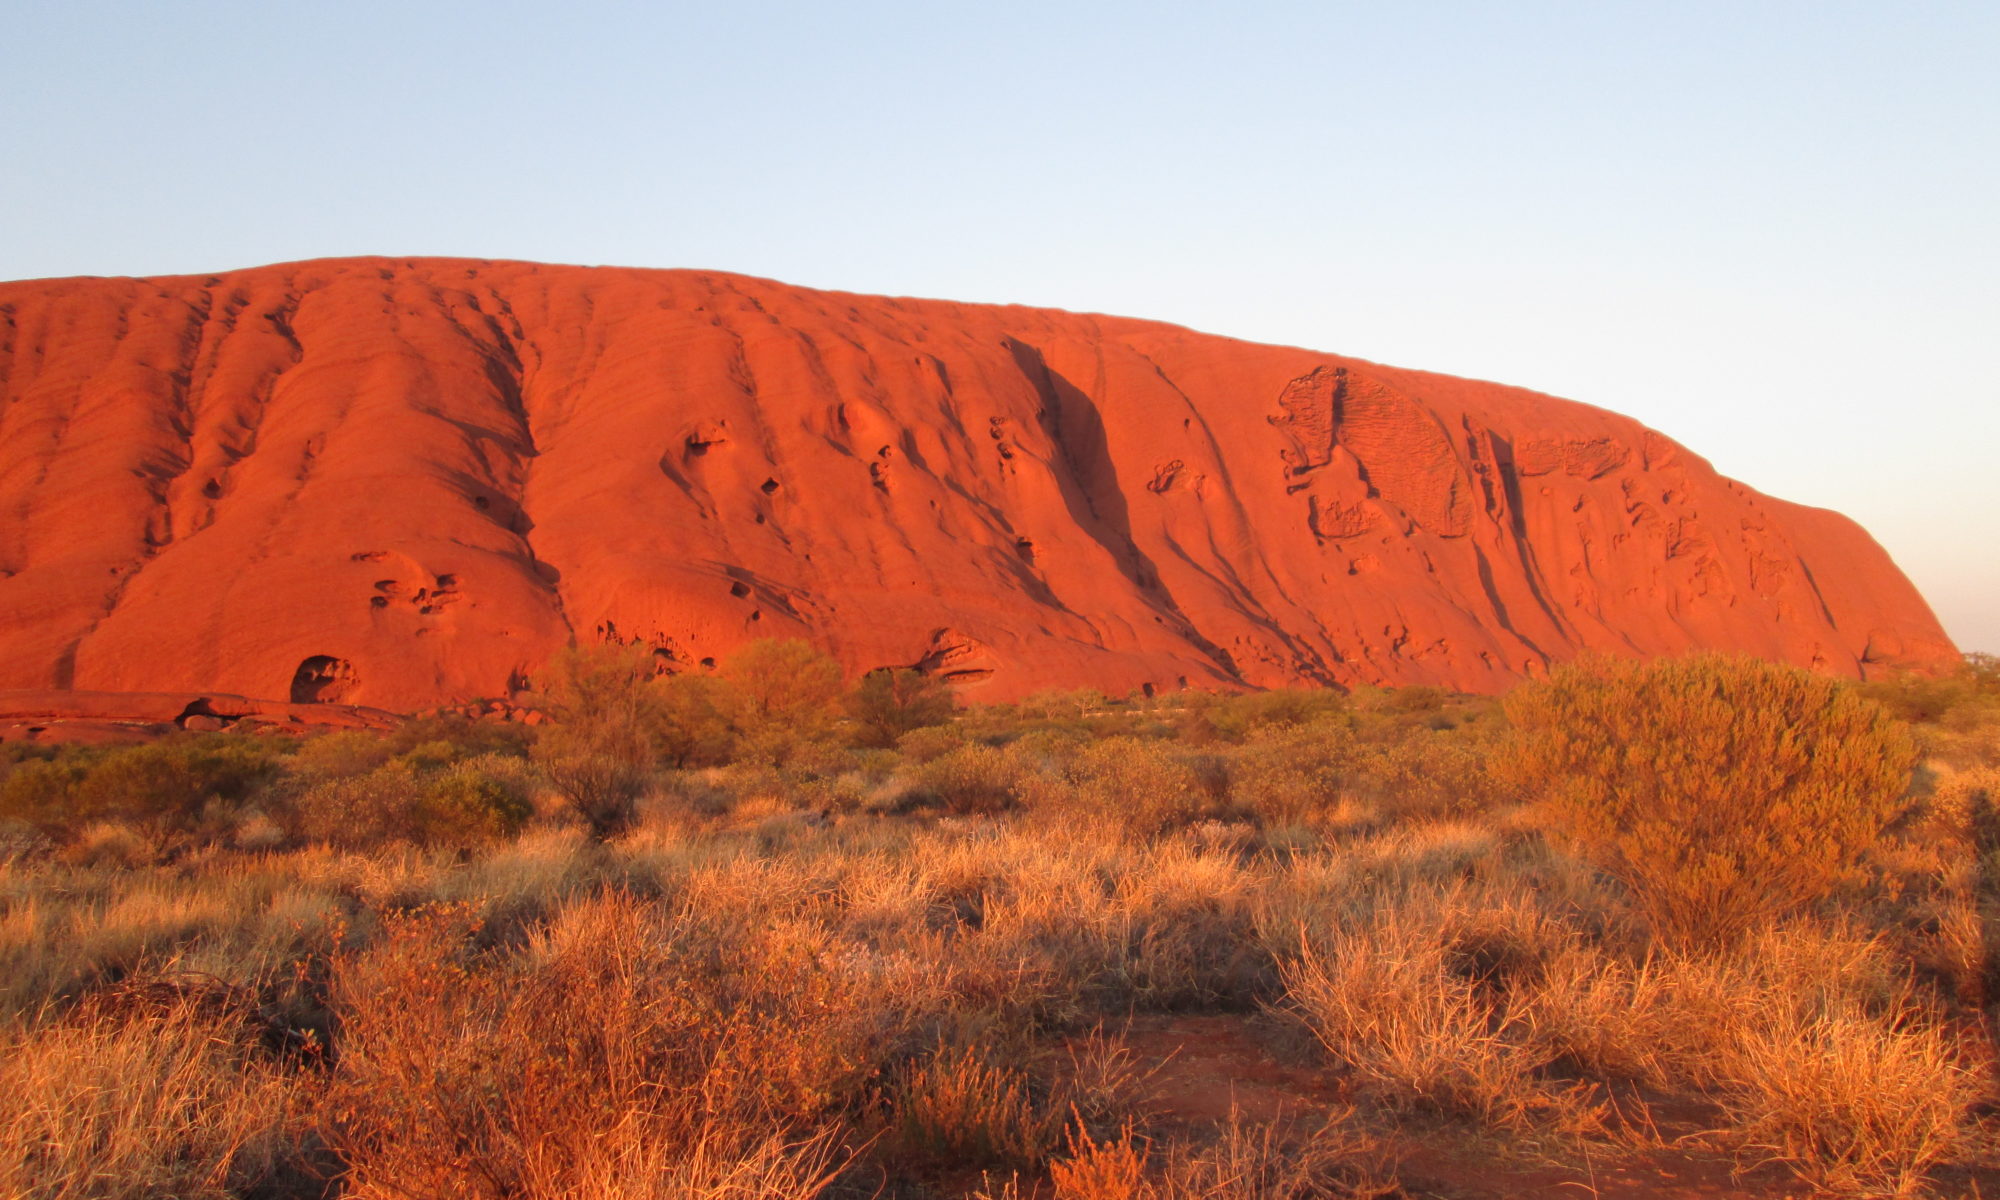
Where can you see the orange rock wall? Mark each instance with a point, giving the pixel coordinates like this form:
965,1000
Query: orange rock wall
405,482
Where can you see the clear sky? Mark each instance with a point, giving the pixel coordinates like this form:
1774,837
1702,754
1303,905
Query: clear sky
1770,230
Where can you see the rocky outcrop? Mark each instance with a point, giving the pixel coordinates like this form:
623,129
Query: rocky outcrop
84,716
404,483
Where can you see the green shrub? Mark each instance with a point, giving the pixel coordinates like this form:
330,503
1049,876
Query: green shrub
599,752
1428,773
1288,774
1721,791
891,702
1062,706
1146,787
468,806
1924,696
1234,718
354,811
37,792
466,737
690,721
430,756
165,784
782,683
346,752
923,745
970,779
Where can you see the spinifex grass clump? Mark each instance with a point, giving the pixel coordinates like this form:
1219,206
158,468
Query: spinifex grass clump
1721,791
793,961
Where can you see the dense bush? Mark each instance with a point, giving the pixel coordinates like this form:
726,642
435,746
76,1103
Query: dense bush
467,804
1721,791
465,737
599,750
971,778
1291,774
470,803
781,694
1211,717
1146,787
689,721
166,785
37,791
891,702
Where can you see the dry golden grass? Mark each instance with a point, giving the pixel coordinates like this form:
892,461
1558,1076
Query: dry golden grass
958,1109
1422,1011
169,1100
802,980
1244,1161
1855,1101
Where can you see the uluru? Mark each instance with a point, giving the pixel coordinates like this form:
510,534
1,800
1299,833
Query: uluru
403,483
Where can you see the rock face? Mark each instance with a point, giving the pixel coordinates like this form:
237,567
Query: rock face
83,716
399,483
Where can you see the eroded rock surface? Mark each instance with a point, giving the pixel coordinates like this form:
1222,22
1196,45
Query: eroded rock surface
402,483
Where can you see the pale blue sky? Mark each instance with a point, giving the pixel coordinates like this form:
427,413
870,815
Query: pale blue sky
1767,229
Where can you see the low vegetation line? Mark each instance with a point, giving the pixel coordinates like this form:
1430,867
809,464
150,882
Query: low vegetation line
770,933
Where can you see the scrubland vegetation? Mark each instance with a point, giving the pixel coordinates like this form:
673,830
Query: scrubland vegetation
763,933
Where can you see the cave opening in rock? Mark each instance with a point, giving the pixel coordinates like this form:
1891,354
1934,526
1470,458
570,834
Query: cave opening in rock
323,679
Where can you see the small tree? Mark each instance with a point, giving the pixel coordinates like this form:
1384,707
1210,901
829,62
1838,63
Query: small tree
783,681
1722,791
892,701
781,693
691,721
598,753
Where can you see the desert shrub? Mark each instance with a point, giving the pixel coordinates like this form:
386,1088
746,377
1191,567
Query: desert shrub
599,752
1427,772
615,1032
893,701
1720,791
927,743
345,752
1145,787
430,756
1055,705
826,760
690,721
600,787
970,779
1288,774
1416,698
1931,696
165,784
468,804
1233,719
37,792
466,737
354,811
781,689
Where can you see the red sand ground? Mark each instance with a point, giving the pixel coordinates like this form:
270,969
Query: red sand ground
1200,1067
400,483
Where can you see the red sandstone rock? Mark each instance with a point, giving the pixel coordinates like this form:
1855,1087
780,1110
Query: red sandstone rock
68,715
404,483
